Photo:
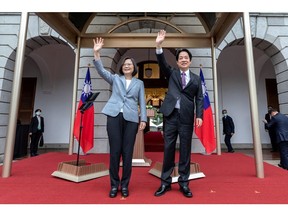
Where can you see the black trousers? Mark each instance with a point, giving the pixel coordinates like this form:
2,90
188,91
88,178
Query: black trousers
227,141
34,142
283,147
273,141
173,128
122,135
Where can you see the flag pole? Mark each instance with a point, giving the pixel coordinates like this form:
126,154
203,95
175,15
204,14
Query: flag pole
80,132
82,171
204,153
206,138
80,135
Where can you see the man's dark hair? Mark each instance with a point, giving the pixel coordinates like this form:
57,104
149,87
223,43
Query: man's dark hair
183,50
272,110
38,110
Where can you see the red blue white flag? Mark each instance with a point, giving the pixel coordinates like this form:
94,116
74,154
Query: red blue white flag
87,135
206,133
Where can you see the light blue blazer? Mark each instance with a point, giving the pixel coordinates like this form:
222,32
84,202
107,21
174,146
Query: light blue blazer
128,99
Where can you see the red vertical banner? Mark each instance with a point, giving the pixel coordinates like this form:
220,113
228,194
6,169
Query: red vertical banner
206,133
87,135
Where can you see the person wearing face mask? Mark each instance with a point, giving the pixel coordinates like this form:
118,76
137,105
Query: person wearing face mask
228,130
271,131
123,117
36,130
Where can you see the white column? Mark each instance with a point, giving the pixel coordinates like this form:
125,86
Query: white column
14,105
216,104
74,99
253,97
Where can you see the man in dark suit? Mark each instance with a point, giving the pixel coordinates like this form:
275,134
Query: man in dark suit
279,123
36,130
183,97
228,130
271,131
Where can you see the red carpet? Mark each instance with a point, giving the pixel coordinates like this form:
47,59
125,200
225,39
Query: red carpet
153,141
230,179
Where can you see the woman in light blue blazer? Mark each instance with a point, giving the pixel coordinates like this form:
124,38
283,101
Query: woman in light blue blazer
122,117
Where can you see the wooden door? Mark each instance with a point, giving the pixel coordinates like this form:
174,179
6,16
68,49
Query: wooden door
272,93
27,97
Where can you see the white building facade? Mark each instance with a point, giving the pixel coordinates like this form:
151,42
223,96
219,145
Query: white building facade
50,59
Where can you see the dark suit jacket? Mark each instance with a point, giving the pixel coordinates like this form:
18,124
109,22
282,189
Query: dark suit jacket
33,127
280,124
268,119
191,96
228,125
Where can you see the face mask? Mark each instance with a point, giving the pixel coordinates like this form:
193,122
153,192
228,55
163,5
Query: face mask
38,113
225,115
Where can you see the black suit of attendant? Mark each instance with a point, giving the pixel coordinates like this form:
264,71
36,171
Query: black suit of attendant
279,123
228,131
36,134
179,121
271,133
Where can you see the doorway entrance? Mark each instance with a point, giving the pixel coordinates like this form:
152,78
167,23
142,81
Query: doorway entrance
272,94
26,102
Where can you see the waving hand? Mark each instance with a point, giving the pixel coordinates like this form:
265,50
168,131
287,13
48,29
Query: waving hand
98,44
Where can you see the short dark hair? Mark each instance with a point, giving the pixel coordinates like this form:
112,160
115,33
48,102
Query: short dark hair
183,50
134,64
224,111
38,110
272,110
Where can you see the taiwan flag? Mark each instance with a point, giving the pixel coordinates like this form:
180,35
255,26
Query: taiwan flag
87,135
206,133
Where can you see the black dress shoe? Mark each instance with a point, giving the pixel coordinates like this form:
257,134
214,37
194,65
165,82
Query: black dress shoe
280,165
162,190
113,192
34,154
124,192
186,191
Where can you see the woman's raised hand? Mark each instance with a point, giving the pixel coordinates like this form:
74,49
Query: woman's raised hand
98,44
